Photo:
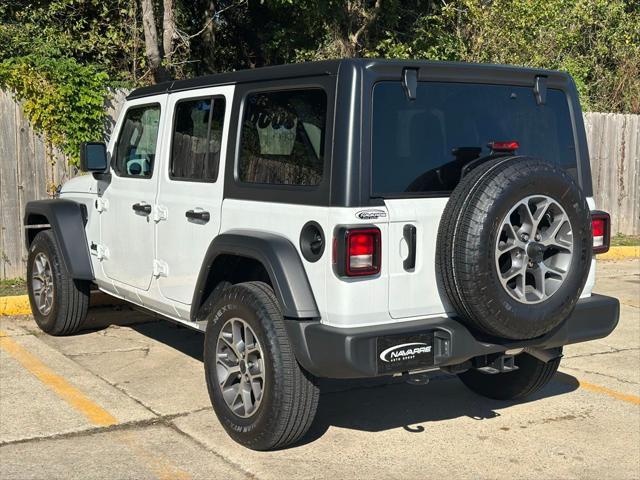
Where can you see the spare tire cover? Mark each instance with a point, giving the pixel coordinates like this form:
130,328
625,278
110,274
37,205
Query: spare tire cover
514,247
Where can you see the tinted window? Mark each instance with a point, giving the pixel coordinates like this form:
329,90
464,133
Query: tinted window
197,135
135,151
420,146
282,139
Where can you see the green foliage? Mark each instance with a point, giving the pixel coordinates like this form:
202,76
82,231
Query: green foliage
60,96
596,41
61,56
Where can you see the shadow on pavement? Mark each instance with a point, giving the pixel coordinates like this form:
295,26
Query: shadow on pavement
378,404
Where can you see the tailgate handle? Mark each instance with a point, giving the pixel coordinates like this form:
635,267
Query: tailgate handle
409,233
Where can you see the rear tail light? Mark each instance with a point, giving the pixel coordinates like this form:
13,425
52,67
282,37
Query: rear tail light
357,251
601,228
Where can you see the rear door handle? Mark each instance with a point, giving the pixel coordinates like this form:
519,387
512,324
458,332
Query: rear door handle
198,215
142,208
409,233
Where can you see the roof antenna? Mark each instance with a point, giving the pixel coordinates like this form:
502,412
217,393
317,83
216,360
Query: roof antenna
410,82
540,89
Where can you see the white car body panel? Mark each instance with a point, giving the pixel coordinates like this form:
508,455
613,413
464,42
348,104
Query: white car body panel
130,243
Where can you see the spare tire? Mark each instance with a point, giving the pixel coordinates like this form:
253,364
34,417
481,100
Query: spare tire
514,247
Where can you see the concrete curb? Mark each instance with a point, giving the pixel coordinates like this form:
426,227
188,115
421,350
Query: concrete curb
621,253
15,305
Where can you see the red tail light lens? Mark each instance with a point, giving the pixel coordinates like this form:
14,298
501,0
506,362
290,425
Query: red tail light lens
357,251
601,228
510,146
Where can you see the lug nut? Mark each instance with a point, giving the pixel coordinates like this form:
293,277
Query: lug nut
538,237
525,237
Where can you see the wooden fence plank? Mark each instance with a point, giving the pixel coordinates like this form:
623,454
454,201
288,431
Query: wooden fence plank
10,223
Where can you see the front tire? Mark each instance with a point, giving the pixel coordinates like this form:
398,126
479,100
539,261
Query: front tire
531,376
260,394
58,302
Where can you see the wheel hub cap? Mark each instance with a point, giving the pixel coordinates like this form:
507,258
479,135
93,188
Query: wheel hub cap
534,249
240,367
42,283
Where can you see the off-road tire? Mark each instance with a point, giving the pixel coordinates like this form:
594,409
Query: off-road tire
465,259
290,396
70,297
531,376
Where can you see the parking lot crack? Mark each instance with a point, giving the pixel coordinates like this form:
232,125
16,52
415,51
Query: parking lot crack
594,354
231,463
606,375
102,352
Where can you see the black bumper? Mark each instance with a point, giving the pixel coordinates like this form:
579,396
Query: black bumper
352,352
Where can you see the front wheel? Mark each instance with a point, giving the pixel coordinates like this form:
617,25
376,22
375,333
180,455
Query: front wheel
260,394
531,376
58,302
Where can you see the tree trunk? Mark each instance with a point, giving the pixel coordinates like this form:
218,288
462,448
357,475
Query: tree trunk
152,47
168,29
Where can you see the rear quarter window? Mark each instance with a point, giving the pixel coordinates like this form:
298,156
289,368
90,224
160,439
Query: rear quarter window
282,138
420,146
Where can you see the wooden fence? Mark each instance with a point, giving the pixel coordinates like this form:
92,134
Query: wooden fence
30,169
614,148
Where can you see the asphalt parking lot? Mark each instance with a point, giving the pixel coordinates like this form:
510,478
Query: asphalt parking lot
127,399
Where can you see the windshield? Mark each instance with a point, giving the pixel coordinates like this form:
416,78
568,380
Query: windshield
420,146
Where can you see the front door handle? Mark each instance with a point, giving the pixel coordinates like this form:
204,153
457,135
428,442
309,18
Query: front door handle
198,215
143,208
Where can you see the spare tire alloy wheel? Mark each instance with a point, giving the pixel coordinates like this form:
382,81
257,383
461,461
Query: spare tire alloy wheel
240,367
534,249
514,247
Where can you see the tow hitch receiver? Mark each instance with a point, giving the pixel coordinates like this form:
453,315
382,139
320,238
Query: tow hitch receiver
500,364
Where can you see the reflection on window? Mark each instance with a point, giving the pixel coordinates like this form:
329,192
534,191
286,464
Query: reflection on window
197,135
422,146
282,140
136,148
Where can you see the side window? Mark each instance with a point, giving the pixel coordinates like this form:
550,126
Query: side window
135,151
282,138
197,135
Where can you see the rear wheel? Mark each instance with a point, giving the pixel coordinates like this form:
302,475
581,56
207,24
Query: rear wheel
58,302
531,376
260,394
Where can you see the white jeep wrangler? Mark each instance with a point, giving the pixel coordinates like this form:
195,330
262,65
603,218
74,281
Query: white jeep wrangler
339,219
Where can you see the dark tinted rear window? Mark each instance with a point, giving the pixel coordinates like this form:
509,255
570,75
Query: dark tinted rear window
420,146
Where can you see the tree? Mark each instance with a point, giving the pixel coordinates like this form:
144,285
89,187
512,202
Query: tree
157,52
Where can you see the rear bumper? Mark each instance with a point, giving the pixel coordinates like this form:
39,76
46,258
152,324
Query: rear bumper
352,352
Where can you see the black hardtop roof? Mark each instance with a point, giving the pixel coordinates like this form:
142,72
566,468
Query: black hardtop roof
325,67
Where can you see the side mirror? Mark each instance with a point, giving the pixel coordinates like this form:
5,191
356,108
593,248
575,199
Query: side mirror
93,157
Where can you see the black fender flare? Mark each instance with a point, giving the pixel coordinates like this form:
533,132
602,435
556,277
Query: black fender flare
67,221
279,258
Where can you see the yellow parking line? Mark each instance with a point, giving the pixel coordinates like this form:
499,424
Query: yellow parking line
74,397
612,393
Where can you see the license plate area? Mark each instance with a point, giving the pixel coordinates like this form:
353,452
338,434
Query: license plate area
404,352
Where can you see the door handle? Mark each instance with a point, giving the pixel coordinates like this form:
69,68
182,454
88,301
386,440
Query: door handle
409,233
143,208
198,215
